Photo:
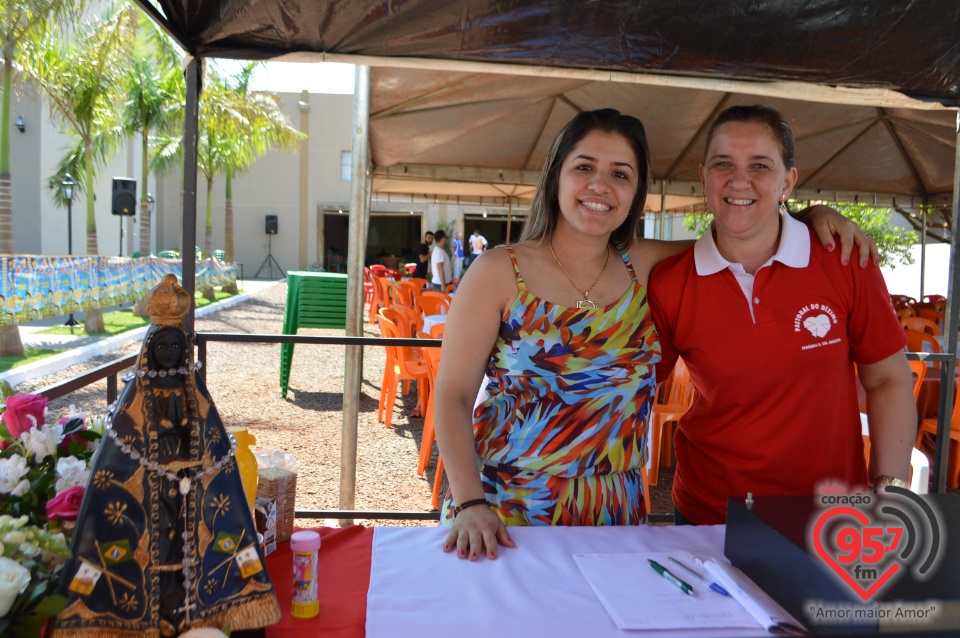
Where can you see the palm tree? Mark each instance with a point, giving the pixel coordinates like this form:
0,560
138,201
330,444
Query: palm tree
155,92
20,20
236,127
270,129
81,79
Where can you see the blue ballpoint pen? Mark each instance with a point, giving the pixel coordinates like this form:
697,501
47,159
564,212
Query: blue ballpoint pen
714,586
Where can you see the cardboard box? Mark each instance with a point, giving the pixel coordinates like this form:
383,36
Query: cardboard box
769,542
281,485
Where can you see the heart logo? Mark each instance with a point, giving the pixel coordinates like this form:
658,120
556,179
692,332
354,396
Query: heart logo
865,594
818,326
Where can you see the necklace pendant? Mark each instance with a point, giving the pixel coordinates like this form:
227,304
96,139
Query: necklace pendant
184,486
586,303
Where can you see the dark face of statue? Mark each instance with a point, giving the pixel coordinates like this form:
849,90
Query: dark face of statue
167,350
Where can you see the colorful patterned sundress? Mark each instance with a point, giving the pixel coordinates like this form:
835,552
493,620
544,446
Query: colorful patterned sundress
561,436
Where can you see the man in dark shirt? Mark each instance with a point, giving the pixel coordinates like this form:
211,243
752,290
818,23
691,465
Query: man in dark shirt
423,256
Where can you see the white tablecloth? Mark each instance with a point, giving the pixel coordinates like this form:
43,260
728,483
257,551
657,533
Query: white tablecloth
429,321
536,589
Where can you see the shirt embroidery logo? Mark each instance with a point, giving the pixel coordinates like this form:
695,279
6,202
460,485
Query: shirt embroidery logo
818,320
818,325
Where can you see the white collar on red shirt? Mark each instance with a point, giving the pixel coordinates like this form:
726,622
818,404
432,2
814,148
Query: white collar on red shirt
794,249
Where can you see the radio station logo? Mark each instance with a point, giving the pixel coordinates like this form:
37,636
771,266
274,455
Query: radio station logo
870,541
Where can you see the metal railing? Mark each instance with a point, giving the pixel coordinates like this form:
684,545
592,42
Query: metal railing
110,371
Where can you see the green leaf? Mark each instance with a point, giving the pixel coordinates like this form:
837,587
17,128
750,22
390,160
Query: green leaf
51,605
73,425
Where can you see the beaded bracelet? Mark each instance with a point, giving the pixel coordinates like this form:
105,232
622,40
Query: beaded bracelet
462,506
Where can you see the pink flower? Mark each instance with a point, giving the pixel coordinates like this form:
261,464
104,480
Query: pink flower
24,412
66,504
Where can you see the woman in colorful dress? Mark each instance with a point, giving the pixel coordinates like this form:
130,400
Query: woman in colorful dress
559,323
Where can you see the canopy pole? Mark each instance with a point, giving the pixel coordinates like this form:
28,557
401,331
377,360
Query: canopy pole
945,409
359,216
509,218
193,77
924,211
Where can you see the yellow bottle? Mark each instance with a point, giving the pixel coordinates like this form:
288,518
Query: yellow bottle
246,464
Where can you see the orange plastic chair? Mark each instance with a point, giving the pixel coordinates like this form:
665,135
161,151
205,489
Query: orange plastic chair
432,357
929,426
407,319
921,325
919,370
671,403
905,313
433,303
922,342
935,316
402,365
452,286
902,301
436,332
408,290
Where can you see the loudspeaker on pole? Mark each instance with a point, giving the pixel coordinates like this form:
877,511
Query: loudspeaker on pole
272,225
124,196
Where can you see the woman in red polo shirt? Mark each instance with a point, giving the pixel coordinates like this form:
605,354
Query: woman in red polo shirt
773,359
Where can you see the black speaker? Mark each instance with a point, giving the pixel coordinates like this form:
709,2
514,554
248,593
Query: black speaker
272,224
124,196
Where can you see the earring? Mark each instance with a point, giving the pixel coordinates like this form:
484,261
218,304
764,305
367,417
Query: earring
782,208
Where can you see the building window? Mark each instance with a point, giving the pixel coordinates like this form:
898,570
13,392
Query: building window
346,165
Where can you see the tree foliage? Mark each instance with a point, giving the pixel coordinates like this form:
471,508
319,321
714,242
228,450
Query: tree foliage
893,242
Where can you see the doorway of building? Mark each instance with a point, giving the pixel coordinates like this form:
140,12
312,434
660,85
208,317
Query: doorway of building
392,240
493,228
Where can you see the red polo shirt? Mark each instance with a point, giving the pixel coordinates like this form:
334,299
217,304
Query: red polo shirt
776,408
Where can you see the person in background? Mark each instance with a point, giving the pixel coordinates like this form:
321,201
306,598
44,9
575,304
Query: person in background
478,244
423,257
456,255
559,323
440,269
773,360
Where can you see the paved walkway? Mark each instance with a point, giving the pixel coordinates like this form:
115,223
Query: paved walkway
82,347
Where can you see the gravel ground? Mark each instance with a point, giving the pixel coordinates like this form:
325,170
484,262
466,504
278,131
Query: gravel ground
244,382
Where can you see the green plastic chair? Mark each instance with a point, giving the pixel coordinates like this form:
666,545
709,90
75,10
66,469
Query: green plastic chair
314,300
168,254
220,255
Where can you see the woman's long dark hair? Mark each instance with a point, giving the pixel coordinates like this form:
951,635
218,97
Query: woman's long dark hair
545,209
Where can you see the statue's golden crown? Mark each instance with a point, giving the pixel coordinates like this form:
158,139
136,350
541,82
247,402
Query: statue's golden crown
168,303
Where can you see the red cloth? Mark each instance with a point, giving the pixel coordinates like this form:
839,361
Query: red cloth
343,575
776,406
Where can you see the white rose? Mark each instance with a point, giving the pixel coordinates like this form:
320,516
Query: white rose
14,538
12,469
14,578
72,471
42,441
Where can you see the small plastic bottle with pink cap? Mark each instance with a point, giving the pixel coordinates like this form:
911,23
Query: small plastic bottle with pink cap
305,546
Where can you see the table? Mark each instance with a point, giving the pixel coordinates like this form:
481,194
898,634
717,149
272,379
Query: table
395,582
430,321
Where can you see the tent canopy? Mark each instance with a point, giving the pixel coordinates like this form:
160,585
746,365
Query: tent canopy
466,98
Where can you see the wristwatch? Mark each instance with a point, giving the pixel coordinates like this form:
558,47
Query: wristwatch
884,480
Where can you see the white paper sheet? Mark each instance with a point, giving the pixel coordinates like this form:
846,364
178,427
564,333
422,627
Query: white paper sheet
637,597
764,609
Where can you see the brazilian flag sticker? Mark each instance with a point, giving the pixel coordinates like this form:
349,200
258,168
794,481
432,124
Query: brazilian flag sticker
226,543
115,552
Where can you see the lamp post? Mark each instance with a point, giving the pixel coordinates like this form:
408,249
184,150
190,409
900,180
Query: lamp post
67,186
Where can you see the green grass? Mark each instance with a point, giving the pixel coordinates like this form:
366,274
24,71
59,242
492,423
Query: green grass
30,355
120,321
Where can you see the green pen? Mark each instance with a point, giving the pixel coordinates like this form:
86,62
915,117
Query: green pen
663,571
